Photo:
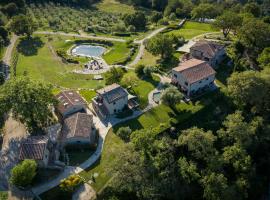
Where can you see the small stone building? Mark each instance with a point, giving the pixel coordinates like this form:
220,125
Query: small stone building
110,100
37,148
78,130
69,102
209,51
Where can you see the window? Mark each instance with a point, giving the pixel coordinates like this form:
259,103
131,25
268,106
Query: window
175,75
114,110
186,83
200,81
207,79
114,103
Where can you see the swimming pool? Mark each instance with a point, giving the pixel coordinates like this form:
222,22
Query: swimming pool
88,50
157,97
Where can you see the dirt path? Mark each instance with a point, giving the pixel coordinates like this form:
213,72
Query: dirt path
8,53
80,36
13,133
142,46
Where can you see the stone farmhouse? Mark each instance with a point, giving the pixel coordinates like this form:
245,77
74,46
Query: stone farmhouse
78,129
70,102
193,76
209,51
111,100
40,149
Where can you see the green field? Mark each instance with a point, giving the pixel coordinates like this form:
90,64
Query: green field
37,59
193,29
42,64
88,95
140,87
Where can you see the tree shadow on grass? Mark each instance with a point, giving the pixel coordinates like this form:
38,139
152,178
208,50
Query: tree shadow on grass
30,46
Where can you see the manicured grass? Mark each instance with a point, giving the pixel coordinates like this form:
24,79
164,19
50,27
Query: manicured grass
88,95
42,64
117,53
113,145
78,156
148,59
192,29
140,87
113,6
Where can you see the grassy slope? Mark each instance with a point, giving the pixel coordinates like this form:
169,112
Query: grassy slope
141,87
148,59
192,29
46,67
88,95
113,144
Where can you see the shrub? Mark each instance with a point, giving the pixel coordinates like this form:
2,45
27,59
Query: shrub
139,70
163,21
124,133
171,96
114,76
71,183
23,174
147,71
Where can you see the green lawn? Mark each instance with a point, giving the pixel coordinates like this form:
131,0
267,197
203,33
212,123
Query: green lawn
88,95
192,29
140,87
117,53
78,156
38,61
148,59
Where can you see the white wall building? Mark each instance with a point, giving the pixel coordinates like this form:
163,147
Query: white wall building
193,76
110,100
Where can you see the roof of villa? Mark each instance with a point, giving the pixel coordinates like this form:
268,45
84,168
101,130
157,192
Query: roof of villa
208,48
195,70
78,125
112,92
33,147
68,99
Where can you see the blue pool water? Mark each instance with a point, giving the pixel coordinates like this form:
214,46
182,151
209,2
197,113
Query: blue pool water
88,50
157,97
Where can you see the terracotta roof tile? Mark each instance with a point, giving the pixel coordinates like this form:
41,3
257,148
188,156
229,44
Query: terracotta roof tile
78,125
208,48
68,99
33,147
195,70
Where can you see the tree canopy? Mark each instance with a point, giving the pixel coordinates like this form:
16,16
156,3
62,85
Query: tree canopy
23,174
29,101
23,25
